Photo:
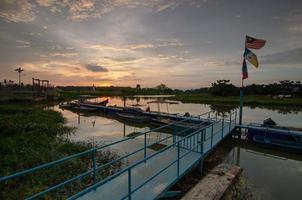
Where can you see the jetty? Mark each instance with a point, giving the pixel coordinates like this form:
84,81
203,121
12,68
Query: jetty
149,173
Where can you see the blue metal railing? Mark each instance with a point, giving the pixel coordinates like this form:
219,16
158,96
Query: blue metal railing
93,152
174,144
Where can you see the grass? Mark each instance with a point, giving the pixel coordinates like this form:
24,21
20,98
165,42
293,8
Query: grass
248,100
30,136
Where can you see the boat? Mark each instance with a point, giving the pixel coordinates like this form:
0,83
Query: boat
133,110
66,105
102,103
133,117
276,136
84,108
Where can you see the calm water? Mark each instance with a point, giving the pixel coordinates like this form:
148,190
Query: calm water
271,174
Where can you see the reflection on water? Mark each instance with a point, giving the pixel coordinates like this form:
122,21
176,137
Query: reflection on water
272,174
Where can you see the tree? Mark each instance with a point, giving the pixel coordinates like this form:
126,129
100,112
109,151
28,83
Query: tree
162,87
138,86
224,88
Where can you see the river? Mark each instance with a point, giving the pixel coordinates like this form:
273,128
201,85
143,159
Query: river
270,173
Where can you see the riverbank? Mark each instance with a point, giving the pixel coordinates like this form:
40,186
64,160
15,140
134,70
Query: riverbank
31,136
248,100
197,98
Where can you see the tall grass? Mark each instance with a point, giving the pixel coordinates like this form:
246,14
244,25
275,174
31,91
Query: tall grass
30,136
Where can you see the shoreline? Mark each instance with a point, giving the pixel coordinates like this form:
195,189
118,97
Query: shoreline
234,100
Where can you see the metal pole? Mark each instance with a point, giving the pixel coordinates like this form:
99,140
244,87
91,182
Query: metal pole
230,121
94,165
202,139
129,183
235,117
222,124
212,130
178,152
241,104
145,145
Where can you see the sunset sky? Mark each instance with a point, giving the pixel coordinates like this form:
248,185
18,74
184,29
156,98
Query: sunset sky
181,43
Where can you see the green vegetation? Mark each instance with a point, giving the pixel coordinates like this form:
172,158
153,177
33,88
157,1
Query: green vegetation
72,92
30,136
248,100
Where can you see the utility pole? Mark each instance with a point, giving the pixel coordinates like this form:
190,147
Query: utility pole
19,70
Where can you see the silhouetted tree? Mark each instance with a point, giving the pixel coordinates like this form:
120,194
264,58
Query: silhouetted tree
224,88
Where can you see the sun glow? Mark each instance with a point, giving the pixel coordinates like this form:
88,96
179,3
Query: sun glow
104,85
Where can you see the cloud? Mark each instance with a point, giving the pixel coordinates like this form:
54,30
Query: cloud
17,11
82,10
95,68
292,56
159,43
45,3
120,59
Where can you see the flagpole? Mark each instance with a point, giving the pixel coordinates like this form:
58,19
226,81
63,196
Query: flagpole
241,99
241,103
252,58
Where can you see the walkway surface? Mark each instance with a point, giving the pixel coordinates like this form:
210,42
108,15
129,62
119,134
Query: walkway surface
118,187
147,180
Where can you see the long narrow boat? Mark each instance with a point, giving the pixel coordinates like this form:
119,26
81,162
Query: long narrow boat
102,103
275,136
133,117
84,108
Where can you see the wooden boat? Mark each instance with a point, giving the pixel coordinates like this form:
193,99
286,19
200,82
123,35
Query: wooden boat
276,136
102,103
66,105
133,117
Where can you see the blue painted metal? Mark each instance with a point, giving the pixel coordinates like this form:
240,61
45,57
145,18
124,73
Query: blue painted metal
145,145
241,105
222,127
94,165
178,155
212,130
190,142
171,194
278,137
129,184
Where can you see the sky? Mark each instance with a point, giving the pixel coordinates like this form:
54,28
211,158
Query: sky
181,43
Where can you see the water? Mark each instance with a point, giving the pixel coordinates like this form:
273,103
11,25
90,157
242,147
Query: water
271,174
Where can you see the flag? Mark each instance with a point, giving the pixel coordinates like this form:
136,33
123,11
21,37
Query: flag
254,43
251,57
244,70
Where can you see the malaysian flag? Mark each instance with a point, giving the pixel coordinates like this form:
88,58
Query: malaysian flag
254,43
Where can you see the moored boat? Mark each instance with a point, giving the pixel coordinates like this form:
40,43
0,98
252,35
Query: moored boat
66,105
102,103
276,136
84,108
133,117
